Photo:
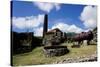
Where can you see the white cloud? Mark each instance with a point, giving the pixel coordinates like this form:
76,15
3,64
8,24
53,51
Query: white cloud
27,22
47,7
62,26
18,22
74,28
38,31
32,23
89,16
67,28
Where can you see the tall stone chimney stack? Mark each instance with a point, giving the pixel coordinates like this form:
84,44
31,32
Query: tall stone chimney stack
45,26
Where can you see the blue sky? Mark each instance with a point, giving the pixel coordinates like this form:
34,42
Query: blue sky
68,14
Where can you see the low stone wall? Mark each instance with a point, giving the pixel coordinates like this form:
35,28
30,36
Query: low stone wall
51,51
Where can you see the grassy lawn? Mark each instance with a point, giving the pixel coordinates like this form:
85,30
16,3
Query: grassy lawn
37,57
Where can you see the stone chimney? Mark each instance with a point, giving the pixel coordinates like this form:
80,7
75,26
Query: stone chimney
45,26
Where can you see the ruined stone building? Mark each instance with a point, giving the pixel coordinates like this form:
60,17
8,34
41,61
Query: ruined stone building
21,42
53,37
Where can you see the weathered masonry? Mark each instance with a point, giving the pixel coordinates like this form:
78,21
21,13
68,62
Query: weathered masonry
53,37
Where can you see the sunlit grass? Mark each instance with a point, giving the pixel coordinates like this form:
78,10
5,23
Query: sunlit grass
37,56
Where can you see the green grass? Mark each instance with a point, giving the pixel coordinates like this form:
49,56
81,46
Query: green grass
37,57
